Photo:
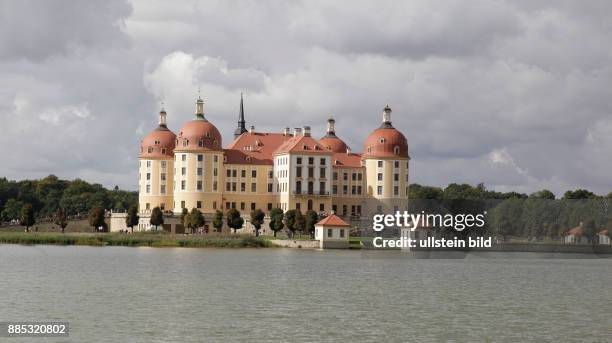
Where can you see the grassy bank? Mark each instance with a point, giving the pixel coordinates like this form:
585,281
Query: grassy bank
137,239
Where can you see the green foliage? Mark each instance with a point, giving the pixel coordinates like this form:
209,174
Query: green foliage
276,220
543,194
12,210
185,218
234,220
96,217
157,217
49,194
27,216
196,218
132,217
579,194
310,219
218,220
257,219
295,221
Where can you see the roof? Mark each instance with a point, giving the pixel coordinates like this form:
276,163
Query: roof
304,144
577,231
254,148
603,232
346,160
333,220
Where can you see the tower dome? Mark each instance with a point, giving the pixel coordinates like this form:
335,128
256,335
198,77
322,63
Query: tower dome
385,141
199,133
160,143
330,141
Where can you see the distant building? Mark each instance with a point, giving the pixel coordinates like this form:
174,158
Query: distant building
332,233
576,235
266,170
603,238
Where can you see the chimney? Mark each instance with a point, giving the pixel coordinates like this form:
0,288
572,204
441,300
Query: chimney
286,131
306,131
252,129
297,132
348,150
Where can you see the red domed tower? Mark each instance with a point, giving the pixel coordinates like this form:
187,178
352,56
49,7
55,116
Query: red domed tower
385,155
156,167
332,142
198,158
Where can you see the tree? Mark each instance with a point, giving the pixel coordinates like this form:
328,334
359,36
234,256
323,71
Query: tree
234,220
590,229
257,219
579,194
27,216
61,219
310,219
132,218
294,221
276,220
543,194
185,219
157,217
12,210
196,218
96,217
218,221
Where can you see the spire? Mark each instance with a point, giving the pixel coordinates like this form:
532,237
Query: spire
331,127
162,118
386,122
241,122
199,106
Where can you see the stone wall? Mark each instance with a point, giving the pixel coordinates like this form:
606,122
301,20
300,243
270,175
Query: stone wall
290,243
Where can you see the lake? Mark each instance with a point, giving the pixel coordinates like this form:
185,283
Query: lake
118,294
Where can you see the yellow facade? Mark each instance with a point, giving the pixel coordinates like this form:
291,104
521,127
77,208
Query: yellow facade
156,183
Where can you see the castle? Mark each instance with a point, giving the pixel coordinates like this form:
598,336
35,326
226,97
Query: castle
266,170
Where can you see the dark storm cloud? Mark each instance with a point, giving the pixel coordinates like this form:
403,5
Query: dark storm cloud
511,93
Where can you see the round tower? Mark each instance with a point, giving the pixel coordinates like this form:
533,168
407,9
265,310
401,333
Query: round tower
385,155
330,141
156,169
198,161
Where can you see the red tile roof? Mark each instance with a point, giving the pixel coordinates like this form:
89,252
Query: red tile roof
305,144
577,231
254,148
332,220
346,160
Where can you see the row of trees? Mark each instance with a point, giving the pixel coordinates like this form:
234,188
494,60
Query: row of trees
46,196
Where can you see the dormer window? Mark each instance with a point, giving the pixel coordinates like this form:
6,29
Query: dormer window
369,150
382,140
185,142
248,158
215,142
208,134
396,150
150,150
201,143
224,159
164,151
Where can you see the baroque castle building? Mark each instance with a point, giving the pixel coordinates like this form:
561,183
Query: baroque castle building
265,170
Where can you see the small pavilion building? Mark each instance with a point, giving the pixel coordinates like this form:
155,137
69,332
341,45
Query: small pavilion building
332,233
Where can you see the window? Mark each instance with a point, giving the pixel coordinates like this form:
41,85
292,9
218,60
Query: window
199,171
214,186
184,157
242,187
321,207
227,205
396,150
183,185
321,187
243,173
379,190
216,159
183,204
396,164
183,171
396,177
162,189
309,205
329,233
198,204
253,173
298,187
242,206
380,176
270,174
395,190
322,173
148,188
162,176
341,233
215,172
269,206
253,187
310,172
322,162
354,177
298,171
199,185
233,186
148,176
310,160
228,186
298,160
354,190
345,189
252,206
335,189
345,176
214,205
343,210
298,206
270,188
234,173
228,173
163,164
150,150
148,164
200,158
380,164
335,176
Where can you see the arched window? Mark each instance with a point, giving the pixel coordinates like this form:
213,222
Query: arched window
396,150
382,140
150,150
201,143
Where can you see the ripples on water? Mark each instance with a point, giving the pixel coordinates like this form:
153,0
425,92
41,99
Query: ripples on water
116,294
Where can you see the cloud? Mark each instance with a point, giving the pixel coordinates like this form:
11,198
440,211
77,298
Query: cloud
514,94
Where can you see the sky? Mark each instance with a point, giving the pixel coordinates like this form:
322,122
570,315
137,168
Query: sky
514,94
